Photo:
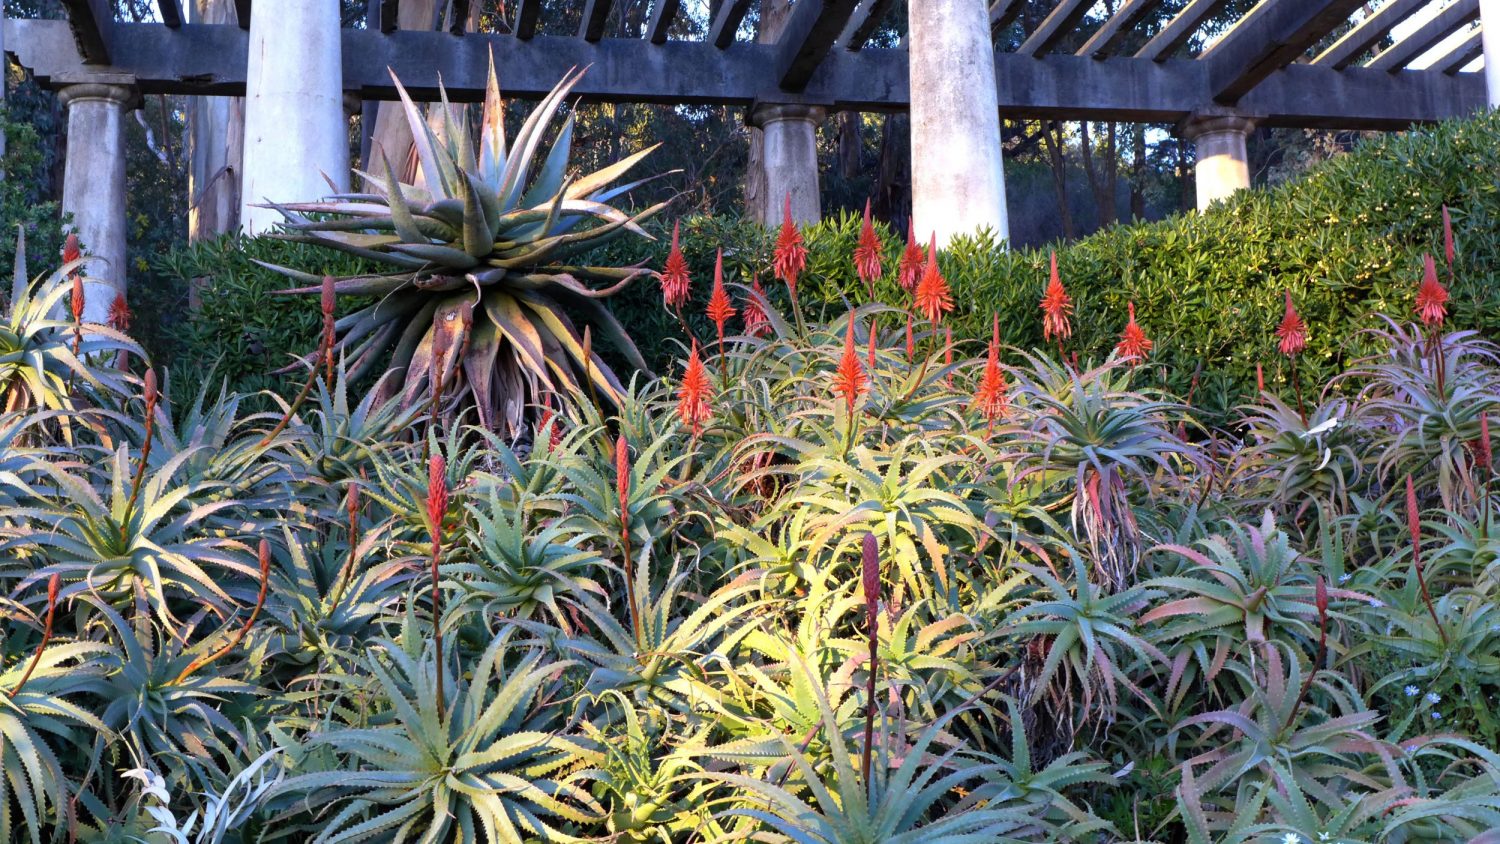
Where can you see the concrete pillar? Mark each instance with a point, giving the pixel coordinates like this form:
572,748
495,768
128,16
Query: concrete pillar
788,163
295,128
958,178
94,187
1223,165
1489,34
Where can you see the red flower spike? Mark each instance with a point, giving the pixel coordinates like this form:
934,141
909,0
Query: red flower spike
77,299
119,313
911,345
756,321
692,396
872,338
1292,331
675,282
934,299
622,473
870,576
1056,306
71,252
148,388
1448,251
1413,518
1482,450
867,253
909,270
849,380
329,296
1320,597
790,257
719,307
1260,379
992,398
551,423
1432,297
437,494
1133,345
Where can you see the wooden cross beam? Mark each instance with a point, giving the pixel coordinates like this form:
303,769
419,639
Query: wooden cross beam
727,22
171,12
1267,40
808,37
92,22
1108,37
1055,27
1003,13
1365,36
242,13
867,19
595,15
390,15
1427,36
1462,55
662,13
528,12
1179,29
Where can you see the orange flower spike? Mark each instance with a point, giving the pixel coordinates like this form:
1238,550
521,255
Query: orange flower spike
1292,331
849,380
675,282
790,257
1448,251
119,313
1133,345
71,252
756,321
992,398
77,298
911,345
1432,297
692,396
867,254
1484,455
872,339
934,299
1056,306
719,307
622,474
437,494
1260,379
909,270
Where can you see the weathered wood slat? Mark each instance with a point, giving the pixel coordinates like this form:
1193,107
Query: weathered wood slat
1179,29
595,16
727,22
808,37
1108,37
1055,27
1426,36
1368,33
92,21
528,14
1268,39
663,12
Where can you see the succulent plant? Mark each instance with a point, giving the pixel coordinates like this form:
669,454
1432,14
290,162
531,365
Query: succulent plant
481,305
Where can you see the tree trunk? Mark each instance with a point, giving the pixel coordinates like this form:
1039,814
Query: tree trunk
216,137
1057,156
851,144
1138,173
392,140
892,200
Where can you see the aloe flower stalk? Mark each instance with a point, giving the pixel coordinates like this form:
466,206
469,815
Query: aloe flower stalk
76,301
1292,334
323,361
150,395
53,583
909,269
1320,602
675,282
1484,457
1432,301
872,336
934,299
1056,306
1133,345
352,510
870,580
1260,379
790,259
720,311
622,491
329,305
849,380
1448,251
120,316
867,254
692,396
992,398
755,318
263,553
1414,527
911,344
437,509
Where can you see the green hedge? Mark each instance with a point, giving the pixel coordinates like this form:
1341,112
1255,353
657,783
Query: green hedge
1346,240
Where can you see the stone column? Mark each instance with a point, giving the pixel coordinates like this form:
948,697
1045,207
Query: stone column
295,129
789,163
1489,34
94,187
958,178
1223,165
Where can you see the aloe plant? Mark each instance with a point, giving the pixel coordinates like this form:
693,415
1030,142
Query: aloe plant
480,303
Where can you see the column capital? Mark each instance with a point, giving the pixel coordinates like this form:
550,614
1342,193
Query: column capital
761,114
1214,121
353,102
119,93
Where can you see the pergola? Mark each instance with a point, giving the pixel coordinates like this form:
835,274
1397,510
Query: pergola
302,75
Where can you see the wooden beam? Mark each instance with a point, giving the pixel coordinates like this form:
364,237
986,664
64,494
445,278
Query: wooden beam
459,24
1426,36
204,59
1055,27
807,38
1108,37
1179,29
1460,56
662,14
171,12
92,22
242,13
727,22
1003,13
1268,39
528,12
595,15
390,15
866,21
1368,33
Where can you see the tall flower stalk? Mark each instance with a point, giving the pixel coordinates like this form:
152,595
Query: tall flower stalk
867,254
849,380
675,281
720,310
1414,526
1056,307
263,553
151,396
991,398
934,300
1432,301
1484,459
437,510
1134,345
321,361
909,268
790,259
53,583
622,490
1320,601
870,580
1292,334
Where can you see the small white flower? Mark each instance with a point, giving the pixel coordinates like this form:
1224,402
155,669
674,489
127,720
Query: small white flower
1323,836
1411,691
1344,578
1436,716
1291,838
1376,603
1434,697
